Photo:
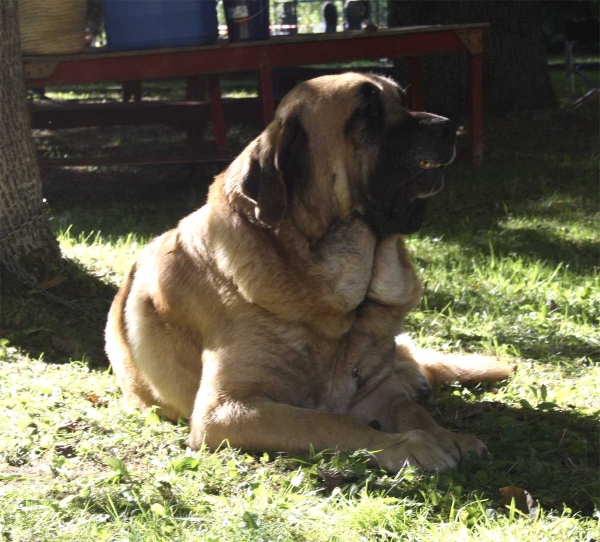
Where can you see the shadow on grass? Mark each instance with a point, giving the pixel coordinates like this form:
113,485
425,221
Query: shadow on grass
542,169
116,202
543,245
528,243
39,326
121,201
474,222
531,342
550,453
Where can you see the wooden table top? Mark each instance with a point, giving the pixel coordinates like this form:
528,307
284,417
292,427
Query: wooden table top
102,52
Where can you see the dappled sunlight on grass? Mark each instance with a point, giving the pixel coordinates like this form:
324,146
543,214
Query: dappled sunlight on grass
240,94
105,258
512,302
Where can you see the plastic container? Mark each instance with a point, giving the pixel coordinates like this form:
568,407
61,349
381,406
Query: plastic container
247,20
153,24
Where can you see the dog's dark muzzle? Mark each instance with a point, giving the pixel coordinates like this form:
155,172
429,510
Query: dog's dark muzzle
411,170
435,141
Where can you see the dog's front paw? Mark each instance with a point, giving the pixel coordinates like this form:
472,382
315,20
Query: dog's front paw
415,448
459,445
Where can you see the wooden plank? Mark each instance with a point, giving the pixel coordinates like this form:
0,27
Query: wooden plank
415,90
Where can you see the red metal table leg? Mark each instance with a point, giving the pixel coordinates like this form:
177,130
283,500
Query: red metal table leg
195,91
195,87
132,88
474,109
214,93
415,91
266,90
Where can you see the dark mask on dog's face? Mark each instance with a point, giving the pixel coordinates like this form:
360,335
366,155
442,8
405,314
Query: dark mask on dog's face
408,150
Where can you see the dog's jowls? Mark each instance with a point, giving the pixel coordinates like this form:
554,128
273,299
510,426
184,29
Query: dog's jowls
269,316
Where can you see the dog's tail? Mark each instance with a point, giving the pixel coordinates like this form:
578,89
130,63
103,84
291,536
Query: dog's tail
440,368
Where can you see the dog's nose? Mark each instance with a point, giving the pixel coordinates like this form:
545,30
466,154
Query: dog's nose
441,127
444,128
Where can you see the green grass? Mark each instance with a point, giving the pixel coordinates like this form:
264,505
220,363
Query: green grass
509,256
78,465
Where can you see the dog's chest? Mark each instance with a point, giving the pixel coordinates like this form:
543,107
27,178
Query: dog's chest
352,376
309,370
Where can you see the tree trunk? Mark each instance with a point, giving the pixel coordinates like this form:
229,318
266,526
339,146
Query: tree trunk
26,241
515,72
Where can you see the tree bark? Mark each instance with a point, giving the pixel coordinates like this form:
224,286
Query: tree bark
515,72
25,236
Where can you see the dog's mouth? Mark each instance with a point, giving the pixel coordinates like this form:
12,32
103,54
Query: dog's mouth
399,207
426,183
429,179
429,165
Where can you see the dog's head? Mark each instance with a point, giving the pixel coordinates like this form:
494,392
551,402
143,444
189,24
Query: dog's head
342,145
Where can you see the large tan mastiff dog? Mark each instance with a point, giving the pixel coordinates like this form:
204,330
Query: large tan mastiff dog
269,316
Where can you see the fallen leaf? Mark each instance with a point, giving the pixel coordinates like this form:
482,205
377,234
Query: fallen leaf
50,283
469,412
523,500
96,401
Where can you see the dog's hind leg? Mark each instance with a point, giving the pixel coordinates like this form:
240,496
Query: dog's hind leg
419,368
135,389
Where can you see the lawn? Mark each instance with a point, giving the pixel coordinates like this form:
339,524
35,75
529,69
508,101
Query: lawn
509,256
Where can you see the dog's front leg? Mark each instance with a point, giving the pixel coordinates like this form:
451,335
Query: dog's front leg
259,424
391,407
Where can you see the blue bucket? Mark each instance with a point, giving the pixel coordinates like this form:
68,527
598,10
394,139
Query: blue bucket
152,24
247,20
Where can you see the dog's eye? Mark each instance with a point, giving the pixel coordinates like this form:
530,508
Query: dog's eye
369,99
369,91
369,113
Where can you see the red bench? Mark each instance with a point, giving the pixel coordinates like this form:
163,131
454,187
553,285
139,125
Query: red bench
264,57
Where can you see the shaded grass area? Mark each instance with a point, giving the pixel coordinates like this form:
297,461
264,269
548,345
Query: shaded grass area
509,256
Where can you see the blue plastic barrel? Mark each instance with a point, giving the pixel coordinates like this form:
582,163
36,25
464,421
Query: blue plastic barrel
149,24
247,20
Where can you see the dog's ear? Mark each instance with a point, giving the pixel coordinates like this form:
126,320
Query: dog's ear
266,179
